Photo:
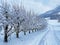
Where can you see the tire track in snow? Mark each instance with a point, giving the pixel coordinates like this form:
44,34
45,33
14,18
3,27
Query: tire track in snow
49,39
57,39
42,40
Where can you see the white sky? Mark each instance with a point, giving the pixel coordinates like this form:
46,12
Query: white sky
38,6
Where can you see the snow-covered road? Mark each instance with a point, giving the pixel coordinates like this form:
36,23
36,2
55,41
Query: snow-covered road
49,39
53,36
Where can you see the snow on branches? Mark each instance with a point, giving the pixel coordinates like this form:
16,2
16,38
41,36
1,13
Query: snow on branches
15,18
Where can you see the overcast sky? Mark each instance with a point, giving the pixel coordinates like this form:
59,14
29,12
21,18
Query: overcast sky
38,6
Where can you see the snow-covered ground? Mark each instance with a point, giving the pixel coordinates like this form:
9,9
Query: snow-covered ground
53,36
28,39
48,36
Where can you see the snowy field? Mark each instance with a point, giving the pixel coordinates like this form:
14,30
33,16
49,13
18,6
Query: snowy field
48,36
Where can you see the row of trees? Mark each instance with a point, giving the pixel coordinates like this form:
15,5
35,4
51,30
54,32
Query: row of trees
15,18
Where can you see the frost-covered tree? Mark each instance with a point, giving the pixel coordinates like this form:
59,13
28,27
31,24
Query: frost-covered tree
27,24
33,22
5,12
15,18
19,14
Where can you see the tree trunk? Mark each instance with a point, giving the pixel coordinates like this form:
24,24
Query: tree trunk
24,32
5,38
35,30
32,31
29,31
17,31
5,34
17,34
